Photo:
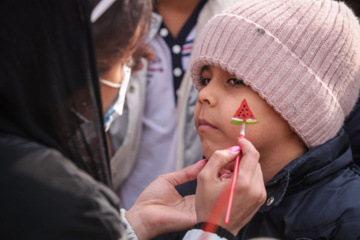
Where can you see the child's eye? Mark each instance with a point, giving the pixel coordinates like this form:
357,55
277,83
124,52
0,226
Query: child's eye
235,81
204,81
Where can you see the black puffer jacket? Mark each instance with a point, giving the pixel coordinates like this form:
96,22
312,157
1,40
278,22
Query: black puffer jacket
316,196
352,129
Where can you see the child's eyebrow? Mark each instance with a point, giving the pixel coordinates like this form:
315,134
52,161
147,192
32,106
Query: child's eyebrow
205,68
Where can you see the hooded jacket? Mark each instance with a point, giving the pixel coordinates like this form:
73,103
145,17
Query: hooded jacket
53,164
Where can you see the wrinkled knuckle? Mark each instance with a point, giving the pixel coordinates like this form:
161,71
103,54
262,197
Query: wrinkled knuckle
160,177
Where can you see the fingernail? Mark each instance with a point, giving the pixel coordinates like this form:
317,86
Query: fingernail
224,175
234,148
202,160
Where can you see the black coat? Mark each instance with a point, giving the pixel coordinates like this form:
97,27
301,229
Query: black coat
52,142
43,195
352,129
316,196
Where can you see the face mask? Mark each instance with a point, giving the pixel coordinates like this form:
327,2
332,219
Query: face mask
116,109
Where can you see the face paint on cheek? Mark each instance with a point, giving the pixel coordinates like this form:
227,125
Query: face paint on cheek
243,114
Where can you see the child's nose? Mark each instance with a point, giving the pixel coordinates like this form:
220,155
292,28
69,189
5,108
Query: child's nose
208,95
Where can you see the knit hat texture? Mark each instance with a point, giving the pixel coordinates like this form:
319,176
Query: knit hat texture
301,56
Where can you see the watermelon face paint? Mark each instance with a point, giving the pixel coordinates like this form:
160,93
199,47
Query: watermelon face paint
243,114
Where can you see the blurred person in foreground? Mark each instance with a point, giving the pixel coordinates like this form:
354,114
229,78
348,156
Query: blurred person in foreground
54,171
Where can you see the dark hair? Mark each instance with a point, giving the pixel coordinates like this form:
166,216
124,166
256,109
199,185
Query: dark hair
114,32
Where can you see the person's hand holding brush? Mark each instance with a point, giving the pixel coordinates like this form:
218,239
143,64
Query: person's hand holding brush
213,189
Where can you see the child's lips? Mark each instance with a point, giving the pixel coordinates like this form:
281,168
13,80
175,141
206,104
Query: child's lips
204,125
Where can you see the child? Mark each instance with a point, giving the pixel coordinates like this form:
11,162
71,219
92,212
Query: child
296,64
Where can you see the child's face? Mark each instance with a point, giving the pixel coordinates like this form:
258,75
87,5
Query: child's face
218,100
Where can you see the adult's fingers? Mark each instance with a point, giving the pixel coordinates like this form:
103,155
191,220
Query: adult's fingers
184,175
217,162
249,157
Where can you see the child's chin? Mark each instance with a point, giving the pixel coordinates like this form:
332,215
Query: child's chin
208,152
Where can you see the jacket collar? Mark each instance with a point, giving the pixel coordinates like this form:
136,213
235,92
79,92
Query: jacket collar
313,166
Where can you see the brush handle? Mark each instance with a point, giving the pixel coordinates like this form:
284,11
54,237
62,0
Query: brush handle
233,182
232,188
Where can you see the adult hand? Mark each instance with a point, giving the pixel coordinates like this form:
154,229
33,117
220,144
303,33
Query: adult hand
160,208
212,191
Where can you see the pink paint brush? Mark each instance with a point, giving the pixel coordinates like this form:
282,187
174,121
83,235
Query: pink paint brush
235,174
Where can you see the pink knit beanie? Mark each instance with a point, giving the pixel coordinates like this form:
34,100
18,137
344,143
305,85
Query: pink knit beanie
301,56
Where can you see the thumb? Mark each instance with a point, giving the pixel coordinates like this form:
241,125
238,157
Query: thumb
184,175
221,159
